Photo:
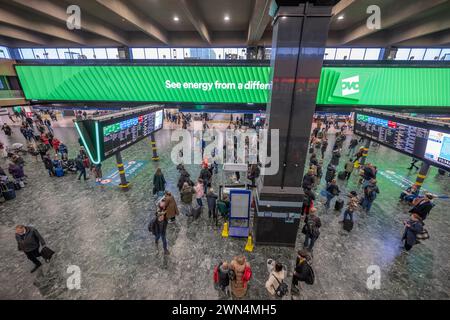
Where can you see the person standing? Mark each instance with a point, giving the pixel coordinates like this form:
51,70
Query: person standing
335,157
80,167
211,198
352,147
242,273
413,227
186,194
311,229
309,180
308,202
29,241
199,192
276,277
159,182
171,206
370,193
205,175
303,271
97,168
331,173
348,168
48,124
223,278
423,205
160,226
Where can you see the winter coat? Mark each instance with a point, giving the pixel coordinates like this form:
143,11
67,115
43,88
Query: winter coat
30,240
272,284
308,181
159,183
238,287
331,173
160,227
335,158
224,278
349,166
16,171
199,190
211,198
422,208
205,175
186,194
171,207
184,178
410,233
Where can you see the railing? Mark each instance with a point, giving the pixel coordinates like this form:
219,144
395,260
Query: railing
11,94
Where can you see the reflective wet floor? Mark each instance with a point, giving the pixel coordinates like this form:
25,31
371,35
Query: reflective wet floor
103,231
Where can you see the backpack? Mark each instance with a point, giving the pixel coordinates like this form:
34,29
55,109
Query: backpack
282,288
216,273
311,276
311,228
152,226
247,275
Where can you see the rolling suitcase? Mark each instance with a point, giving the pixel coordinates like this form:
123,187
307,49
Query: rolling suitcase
8,191
59,172
196,212
339,204
348,225
341,175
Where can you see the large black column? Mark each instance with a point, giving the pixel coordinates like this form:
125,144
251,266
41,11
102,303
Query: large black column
298,45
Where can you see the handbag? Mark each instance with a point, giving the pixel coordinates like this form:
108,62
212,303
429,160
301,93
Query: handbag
47,253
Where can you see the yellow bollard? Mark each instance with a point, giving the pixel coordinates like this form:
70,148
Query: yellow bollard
249,246
225,230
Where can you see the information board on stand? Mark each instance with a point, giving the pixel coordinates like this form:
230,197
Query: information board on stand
425,140
104,136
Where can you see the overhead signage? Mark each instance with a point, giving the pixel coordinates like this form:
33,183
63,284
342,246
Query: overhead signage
378,86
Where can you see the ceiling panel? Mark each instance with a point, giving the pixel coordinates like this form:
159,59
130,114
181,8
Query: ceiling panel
214,12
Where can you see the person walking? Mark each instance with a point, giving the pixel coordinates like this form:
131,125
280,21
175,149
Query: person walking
242,274
223,277
413,227
332,191
352,147
331,173
29,240
324,146
335,157
159,182
171,206
97,168
160,226
311,229
309,180
308,202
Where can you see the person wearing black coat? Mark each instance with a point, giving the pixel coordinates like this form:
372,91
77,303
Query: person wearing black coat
308,201
309,180
335,157
29,241
413,227
423,206
211,198
159,182
205,175
160,226
302,270
331,173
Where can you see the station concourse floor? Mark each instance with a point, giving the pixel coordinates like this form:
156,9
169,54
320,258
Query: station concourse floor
103,231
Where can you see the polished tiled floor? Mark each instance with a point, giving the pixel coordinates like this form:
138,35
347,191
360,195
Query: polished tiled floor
104,232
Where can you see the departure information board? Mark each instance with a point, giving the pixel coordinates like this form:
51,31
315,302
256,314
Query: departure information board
404,137
104,136
122,132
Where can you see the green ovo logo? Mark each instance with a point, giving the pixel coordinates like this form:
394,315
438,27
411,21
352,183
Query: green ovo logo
350,86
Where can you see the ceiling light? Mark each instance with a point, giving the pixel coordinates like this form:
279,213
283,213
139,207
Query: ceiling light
340,18
226,18
176,18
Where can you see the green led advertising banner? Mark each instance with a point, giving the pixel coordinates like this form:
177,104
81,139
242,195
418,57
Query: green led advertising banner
189,84
384,86
339,86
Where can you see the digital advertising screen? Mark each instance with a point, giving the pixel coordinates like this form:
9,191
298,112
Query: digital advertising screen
401,136
438,148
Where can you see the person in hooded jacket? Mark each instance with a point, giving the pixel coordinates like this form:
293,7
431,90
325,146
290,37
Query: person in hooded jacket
171,206
238,284
331,173
159,182
186,194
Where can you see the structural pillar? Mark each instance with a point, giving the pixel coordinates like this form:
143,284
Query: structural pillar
154,149
365,151
422,174
300,32
123,179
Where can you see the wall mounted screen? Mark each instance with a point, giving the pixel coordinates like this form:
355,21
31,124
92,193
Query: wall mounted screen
384,86
376,86
438,148
174,84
